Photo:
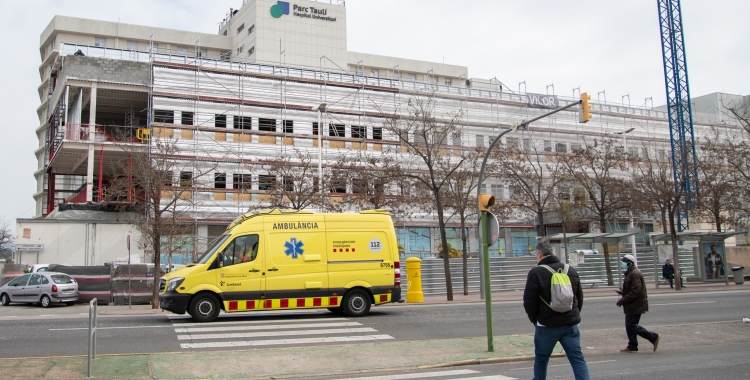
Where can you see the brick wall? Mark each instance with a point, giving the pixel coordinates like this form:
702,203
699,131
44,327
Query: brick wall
106,69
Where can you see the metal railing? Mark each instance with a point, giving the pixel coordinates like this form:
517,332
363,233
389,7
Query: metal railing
188,57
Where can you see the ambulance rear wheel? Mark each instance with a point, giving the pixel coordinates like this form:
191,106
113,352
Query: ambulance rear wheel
204,308
356,303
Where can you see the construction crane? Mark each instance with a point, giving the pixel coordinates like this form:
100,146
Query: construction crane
684,160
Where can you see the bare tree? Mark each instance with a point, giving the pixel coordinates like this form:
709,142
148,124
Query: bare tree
570,212
533,175
423,136
7,238
599,170
716,183
291,182
147,186
460,198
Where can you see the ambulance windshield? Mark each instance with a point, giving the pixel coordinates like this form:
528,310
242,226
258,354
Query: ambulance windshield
210,251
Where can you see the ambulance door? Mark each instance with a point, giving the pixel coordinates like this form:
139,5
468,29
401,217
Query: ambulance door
240,273
296,265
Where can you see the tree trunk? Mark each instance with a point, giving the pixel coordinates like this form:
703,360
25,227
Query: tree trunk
444,244
607,261
540,217
464,255
675,251
157,271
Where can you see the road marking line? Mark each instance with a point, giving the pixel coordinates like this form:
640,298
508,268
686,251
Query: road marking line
246,343
265,327
564,365
111,328
403,376
217,323
277,333
492,377
681,303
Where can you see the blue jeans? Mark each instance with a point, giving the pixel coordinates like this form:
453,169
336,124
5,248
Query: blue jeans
569,337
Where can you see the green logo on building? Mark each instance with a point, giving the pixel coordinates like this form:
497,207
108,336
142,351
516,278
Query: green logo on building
279,9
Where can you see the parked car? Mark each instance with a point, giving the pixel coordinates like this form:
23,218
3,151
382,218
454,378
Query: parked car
44,288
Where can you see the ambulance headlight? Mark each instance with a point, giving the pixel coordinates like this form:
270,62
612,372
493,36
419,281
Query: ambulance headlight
174,283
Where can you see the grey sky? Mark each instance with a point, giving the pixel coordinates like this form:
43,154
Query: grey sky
597,45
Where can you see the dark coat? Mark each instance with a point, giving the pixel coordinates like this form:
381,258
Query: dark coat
634,298
538,284
667,271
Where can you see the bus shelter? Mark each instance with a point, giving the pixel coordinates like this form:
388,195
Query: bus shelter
709,256
593,237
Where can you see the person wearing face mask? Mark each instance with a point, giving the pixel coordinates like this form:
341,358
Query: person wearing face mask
634,303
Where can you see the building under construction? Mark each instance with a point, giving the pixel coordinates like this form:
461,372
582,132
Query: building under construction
253,93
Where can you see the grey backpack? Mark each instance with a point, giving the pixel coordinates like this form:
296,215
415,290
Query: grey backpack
561,290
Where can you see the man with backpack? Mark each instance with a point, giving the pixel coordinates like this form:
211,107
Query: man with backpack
553,299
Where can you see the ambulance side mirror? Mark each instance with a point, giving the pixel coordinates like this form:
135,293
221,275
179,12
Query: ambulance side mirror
220,258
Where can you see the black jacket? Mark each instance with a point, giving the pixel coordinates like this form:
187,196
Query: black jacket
634,297
538,283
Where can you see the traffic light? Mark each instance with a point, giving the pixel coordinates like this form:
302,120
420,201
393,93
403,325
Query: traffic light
584,108
485,202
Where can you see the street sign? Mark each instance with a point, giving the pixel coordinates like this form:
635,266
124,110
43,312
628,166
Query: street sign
494,227
128,242
30,247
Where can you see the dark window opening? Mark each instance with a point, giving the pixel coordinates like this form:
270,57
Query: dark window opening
338,130
187,118
166,177
268,125
243,122
220,180
288,126
377,133
359,132
186,179
288,184
164,116
379,188
220,121
359,186
266,182
241,181
315,128
338,186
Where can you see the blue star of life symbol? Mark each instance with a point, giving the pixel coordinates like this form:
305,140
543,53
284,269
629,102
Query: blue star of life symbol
293,248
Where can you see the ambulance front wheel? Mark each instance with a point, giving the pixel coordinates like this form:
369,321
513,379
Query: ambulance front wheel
356,303
204,308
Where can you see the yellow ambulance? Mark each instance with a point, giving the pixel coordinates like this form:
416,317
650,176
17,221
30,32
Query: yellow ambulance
289,259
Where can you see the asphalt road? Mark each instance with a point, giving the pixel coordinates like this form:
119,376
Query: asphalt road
63,331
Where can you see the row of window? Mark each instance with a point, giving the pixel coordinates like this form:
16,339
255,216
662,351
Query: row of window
241,181
410,77
563,193
267,125
134,46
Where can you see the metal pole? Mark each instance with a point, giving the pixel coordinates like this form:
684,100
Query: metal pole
130,289
92,334
487,287
320,152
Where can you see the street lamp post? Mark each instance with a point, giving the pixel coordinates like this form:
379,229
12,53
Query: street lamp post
632,226
320,108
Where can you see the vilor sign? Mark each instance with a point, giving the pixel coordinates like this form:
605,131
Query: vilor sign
30,247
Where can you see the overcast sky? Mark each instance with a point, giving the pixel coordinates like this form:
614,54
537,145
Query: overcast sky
611,46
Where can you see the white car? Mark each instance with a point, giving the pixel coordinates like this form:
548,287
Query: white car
44,288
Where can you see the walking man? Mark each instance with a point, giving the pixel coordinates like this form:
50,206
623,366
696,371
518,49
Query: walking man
634,302
552,326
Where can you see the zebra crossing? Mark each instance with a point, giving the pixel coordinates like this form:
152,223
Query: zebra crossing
283,331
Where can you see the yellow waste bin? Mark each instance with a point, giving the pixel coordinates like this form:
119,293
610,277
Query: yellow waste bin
414,280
